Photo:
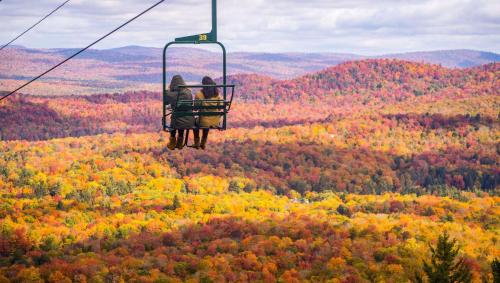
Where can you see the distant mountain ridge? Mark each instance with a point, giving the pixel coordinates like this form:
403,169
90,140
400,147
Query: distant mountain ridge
134,67
456,58
461,58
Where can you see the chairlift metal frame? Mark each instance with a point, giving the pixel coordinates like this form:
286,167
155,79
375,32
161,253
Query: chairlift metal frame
192,108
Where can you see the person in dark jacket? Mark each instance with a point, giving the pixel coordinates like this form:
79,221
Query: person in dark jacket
180,124
206,122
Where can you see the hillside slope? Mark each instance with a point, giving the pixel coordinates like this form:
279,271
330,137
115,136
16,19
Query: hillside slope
359,86
122,207
382,77
133,67
344,175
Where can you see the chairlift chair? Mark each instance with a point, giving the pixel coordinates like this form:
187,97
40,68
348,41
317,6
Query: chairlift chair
198,108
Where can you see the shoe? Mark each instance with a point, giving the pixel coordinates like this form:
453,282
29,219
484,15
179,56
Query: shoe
203,144
196,144
180,143
172,143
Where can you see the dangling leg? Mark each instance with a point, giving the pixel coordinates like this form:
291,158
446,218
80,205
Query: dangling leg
196,133
186,138
172,142
180,140
204,138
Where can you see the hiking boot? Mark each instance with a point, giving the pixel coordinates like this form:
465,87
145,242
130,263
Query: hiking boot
196,144
203,143
172,143
180,142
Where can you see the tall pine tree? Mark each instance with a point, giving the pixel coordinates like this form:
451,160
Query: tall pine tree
444,266
176,203
495,268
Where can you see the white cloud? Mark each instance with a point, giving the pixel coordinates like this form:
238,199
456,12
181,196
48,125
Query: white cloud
356,26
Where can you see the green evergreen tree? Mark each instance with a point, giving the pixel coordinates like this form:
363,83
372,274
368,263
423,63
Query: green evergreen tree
444,266
176,203
60,205
234,186
495,268
343,210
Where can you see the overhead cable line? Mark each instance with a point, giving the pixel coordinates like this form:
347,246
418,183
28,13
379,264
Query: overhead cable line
37,23
82,50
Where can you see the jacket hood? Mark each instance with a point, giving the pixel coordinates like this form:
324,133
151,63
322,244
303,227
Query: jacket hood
177,81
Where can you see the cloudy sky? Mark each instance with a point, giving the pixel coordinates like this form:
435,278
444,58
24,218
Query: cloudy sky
350,26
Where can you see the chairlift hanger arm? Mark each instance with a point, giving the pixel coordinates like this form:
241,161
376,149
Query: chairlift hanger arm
210,37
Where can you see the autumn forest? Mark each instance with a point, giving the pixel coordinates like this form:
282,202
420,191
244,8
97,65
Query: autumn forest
349,174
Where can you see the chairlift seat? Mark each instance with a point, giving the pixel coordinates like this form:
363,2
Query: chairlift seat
201,108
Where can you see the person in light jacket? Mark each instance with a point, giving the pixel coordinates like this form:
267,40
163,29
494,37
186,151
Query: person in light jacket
179,124
206,122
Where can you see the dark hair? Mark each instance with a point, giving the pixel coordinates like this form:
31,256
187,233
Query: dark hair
209,92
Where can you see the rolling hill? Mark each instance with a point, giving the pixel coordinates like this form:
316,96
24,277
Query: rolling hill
134,67
364,85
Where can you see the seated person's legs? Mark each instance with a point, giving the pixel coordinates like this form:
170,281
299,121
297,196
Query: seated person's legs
196,133
172,142
204,138
180,139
